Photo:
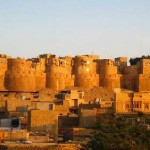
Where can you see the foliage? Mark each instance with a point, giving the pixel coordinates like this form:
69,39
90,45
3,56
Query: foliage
134,61
116,134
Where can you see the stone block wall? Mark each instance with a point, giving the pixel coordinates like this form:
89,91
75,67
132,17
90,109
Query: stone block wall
122,100
15,105
87,117
129,102
43,120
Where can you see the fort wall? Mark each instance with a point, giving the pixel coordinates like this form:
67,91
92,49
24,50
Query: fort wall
143,82
85,71
130,77
145,66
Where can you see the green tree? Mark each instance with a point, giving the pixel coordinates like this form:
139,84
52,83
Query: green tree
116,134
134,61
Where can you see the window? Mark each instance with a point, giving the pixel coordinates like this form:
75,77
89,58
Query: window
50,106
127,106
137,104
80,95
146,106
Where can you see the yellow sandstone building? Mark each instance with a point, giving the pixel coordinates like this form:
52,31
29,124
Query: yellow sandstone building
129,102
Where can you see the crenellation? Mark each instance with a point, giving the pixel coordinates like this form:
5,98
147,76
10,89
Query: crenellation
121,63
145,66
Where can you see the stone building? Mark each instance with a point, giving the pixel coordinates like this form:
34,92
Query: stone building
129,102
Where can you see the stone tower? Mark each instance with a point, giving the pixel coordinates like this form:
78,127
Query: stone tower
85,70
108,74
20,75
59,73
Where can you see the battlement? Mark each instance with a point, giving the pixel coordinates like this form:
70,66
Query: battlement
59,62
3,60
107,67
146,62
89,56
66,57
20,73
46,55
3,64
4,56
121,59
17,63
121,63
130,70
145,66
106,62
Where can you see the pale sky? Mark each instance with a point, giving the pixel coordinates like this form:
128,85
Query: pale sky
109,28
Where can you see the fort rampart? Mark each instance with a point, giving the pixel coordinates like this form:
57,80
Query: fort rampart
84,71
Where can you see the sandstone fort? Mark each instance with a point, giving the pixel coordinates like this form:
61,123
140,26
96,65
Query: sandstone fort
84,71
57,99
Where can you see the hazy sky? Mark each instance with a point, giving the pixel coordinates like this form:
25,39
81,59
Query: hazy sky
109,28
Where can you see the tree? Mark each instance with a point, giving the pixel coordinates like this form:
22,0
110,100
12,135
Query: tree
134,61
116,134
